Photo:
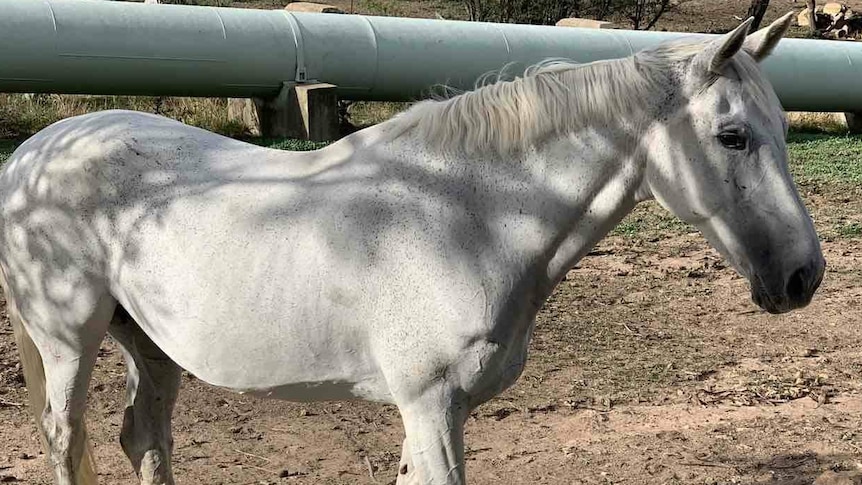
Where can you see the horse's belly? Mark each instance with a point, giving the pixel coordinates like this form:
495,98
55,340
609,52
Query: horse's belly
251,310
270,365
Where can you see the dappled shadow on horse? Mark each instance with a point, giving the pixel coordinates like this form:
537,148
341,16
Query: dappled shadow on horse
403,264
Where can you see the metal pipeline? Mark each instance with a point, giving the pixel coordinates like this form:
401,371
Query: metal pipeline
99,47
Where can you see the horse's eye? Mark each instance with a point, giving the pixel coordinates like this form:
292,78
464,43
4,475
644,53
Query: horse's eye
733,140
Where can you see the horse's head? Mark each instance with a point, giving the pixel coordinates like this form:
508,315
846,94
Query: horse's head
718,160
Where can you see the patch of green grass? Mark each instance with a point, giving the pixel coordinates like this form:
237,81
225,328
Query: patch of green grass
629,227
820,158
849,230
6,149
650,222
288,144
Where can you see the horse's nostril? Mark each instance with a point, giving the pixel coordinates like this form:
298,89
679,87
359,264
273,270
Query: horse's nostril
796,285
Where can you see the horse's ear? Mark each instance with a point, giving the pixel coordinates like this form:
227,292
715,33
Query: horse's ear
719,51
760,44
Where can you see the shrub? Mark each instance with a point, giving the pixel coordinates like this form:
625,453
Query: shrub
640,14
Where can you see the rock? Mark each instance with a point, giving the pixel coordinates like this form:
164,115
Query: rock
585,23
802,18
854,122
839,478
833,8
800,119
312,7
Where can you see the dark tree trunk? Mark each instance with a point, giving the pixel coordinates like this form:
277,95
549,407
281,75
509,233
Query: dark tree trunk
757,9
663,6
812,17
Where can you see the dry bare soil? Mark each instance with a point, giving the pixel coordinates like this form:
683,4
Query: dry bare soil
688,16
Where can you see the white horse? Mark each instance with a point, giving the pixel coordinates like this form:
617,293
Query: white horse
403,264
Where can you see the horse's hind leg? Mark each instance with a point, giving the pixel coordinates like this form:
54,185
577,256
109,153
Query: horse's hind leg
153,381
67,339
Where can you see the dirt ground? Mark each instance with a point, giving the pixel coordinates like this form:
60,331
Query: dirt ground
649,366
720,16
713,16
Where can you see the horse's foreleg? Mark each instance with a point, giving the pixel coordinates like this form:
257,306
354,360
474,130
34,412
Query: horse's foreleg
153,382
434,424
406,468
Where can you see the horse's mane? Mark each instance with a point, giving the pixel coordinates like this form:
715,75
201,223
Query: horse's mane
555,97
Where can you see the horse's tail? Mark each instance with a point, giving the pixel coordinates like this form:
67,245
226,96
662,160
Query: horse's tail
34,377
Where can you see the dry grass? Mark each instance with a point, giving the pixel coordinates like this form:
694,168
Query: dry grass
22,115
366,113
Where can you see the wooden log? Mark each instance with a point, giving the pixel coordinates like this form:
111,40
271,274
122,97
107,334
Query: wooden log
585,23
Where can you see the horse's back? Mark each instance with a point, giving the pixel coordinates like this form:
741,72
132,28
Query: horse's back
80,186
89,159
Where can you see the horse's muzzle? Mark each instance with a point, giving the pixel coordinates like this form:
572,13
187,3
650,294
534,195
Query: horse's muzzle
794,293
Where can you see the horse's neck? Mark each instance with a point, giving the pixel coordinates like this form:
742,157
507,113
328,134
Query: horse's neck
548,207
545,208
600,176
